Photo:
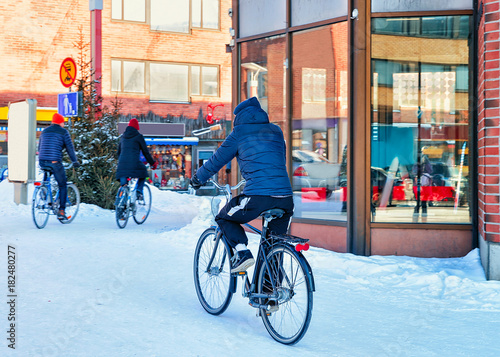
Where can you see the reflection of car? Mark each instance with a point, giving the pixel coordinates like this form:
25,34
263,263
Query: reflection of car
313,170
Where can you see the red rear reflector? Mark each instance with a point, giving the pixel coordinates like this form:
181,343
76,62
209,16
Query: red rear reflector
36,183
300,247
300,171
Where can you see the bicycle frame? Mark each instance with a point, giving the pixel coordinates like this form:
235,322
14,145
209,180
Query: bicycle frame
261,261
46,183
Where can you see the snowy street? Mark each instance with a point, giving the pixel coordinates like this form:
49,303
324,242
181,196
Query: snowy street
91,289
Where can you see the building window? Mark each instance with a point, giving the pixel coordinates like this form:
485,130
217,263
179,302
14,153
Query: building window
128,76
420,120
169,82
129,10
205,14
319,122
170,15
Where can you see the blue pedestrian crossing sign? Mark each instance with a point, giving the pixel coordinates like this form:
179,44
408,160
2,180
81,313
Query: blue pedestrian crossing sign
67,104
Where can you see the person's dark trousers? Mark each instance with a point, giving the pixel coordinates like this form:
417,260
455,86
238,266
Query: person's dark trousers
60,176
243,209
140,183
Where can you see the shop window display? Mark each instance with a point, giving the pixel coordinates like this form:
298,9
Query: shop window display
173,169
420,120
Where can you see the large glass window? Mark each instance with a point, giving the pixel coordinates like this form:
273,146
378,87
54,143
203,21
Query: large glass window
170,15
319,137
263,75
420,120
169,82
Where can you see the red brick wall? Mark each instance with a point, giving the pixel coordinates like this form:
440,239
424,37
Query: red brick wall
489,122
38,35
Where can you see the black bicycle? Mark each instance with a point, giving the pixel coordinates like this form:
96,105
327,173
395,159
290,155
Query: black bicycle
127,203
282,283
46,199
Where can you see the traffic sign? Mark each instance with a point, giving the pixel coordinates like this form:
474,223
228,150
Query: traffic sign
67,104
67,72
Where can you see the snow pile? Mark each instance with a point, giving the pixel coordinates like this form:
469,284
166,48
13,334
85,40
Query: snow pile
91,289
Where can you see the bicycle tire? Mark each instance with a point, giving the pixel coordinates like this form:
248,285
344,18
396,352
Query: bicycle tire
72,203
214,286
143,207
290,322
121,207
39,208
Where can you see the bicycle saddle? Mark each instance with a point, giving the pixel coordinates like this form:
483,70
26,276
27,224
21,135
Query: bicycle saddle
272,213
47,169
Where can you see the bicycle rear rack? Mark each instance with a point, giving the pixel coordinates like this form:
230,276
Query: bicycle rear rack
287,238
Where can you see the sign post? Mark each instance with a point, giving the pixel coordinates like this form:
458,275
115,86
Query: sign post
67,72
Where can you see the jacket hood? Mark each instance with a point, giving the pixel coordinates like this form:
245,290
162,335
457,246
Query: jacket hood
130,132
250,112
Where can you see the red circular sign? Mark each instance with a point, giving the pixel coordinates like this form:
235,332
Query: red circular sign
67,72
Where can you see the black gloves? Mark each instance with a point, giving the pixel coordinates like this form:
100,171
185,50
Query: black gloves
195,182
76,164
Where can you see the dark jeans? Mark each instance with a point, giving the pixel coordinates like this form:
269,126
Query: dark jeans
140,183
60,176
243,209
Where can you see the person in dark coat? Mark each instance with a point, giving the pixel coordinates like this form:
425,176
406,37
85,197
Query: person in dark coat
53,141
131,145
259,148
422,178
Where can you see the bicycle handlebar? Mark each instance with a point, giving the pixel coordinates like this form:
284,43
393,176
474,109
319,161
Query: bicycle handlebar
226,187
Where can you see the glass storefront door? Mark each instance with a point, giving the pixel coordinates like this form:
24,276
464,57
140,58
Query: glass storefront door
420,119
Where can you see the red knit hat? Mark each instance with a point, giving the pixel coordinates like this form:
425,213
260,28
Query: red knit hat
57,118
134,123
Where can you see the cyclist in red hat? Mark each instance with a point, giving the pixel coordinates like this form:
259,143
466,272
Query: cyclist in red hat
53,141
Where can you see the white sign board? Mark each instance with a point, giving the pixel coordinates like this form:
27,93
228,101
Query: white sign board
22,141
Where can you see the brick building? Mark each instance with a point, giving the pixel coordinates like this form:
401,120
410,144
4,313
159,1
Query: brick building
392,109
165,61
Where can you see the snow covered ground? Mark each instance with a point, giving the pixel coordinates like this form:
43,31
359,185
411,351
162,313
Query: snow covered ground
91,289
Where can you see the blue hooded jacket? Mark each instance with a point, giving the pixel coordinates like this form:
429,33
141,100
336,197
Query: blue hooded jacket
259,147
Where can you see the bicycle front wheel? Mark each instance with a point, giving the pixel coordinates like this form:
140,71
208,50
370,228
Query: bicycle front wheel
143,206
39,206
72,203
121,207
212,283
293,308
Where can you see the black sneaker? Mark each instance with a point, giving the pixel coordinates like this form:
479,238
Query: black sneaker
242,260
140,196
62,216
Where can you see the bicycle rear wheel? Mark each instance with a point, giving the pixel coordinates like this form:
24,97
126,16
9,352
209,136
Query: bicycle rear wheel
39,206
213,283
143,206
292,282
121,207
72,203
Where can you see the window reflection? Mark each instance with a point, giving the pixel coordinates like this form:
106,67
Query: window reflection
420,120
319,137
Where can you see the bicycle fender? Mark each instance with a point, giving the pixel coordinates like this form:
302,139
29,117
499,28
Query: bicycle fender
311,276
304,261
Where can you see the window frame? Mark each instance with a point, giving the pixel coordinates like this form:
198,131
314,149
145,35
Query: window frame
122,82
122,19
147,17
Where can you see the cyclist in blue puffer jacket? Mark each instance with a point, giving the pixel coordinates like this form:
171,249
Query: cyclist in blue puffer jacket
53,141
259,148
